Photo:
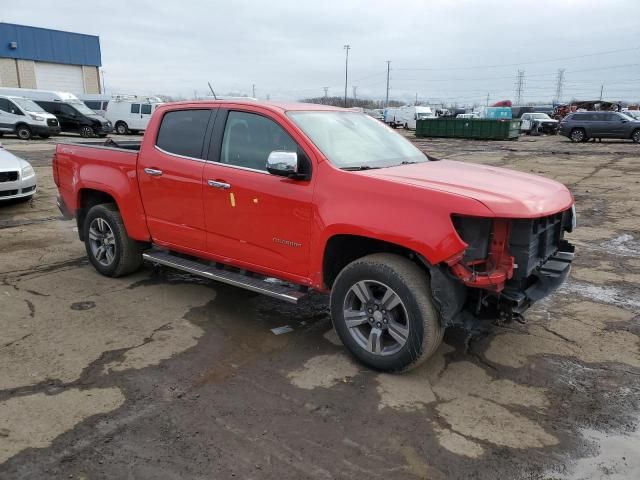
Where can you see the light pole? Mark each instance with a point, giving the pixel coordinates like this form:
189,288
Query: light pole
346,72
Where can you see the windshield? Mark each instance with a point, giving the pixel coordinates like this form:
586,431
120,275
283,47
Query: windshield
81,107
355,140
540,116
28,105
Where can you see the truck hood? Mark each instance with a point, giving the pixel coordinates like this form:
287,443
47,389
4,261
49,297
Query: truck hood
507,193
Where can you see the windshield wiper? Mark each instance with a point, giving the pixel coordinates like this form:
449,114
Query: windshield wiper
358,168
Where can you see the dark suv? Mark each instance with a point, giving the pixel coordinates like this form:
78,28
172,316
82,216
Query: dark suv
581,126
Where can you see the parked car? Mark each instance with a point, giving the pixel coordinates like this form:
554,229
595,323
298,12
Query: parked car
96,101
533,123
327,199
633,114
581,126
25,118
131,113
17,177
72,114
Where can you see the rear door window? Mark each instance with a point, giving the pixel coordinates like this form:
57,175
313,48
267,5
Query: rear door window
135,108
182,132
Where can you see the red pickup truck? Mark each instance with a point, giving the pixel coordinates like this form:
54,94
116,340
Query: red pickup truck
326,199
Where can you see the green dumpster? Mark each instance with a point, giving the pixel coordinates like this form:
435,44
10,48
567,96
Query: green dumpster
478,128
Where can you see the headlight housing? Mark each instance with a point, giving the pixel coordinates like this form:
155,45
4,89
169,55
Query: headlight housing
476,232
27,171
37,118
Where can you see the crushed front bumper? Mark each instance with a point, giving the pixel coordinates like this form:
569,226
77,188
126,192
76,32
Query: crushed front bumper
543,281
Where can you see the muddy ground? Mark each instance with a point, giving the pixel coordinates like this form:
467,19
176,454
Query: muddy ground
163,375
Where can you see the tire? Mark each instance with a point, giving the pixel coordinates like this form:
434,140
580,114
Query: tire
635,136
45,136
86,132
578,135
126,253
23,132
122,128
413,317
406,126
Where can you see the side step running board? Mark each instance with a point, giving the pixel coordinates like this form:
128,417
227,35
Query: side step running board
282,292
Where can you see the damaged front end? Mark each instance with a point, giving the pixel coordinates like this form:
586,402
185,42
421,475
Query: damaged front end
508,265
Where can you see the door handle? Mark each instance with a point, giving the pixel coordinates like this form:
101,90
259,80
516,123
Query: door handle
153,172
221,185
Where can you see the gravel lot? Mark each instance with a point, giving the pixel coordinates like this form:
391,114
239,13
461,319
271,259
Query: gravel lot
167,376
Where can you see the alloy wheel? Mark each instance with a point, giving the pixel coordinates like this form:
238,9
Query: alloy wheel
102,241
376,317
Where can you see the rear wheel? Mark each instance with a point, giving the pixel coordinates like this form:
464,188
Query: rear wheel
578,135
635,136
86,132
122,128
23,132
382,311
109,248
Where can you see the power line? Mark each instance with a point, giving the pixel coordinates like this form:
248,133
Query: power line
608,52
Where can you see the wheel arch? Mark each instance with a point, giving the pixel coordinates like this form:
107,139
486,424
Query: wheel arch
342,249
88,198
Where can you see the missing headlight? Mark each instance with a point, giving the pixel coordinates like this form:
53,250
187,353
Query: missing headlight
476,232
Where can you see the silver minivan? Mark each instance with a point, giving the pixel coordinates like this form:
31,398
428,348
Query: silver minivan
25,118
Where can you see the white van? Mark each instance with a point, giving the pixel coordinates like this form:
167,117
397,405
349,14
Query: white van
410,114
25,118
72,114
131,113
96,101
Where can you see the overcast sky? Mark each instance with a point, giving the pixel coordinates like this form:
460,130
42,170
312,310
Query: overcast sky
442,50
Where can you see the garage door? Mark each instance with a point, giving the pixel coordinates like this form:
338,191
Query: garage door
63,78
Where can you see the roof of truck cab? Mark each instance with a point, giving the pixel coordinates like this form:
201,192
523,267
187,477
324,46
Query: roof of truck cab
276,106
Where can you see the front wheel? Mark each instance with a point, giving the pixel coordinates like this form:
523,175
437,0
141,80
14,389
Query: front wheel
86,132
109,248
578,135
23,132
635,136
382,310
122,128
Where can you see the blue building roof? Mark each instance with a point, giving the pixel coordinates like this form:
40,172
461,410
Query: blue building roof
44,45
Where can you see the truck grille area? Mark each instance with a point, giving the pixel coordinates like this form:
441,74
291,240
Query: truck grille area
533,241
8,176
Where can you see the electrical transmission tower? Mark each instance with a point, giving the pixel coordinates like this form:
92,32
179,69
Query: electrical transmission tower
559,84
354,93
326,91
519,87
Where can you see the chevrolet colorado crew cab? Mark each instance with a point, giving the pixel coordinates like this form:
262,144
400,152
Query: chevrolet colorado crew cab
326,199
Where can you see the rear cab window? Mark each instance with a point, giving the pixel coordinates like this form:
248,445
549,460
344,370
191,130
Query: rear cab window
182,132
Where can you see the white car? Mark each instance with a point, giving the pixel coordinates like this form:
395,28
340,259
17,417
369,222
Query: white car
538,123
17,177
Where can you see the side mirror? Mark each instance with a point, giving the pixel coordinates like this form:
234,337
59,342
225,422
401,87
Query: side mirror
283,164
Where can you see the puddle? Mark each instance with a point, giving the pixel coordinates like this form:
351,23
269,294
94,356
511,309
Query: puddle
610,295
618,457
